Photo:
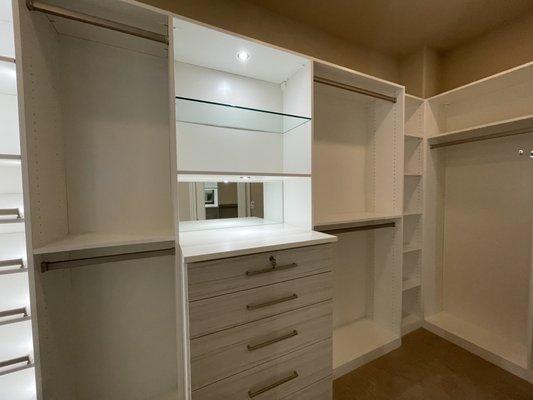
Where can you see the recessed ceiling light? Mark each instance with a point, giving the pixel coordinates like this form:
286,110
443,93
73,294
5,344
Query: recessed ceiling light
243,56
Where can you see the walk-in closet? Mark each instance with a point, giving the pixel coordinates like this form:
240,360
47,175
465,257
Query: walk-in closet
190,213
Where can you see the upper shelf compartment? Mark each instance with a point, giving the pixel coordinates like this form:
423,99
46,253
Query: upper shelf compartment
506,96
222,115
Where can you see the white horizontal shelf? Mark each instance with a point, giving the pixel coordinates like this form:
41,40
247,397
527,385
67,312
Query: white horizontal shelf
482,87
410,322
510,126
346,220
407,248
496,349
412,213
357,343
417,174
230,176
411,283
413,136
207,244
102,241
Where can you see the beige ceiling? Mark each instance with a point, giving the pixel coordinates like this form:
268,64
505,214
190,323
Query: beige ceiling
399,27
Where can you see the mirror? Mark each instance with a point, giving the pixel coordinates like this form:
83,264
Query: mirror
250,202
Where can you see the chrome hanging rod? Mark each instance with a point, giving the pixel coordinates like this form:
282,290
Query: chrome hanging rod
7,59
4,212
96,21
14,361
355,89
481,138
15,311
81,262
334,230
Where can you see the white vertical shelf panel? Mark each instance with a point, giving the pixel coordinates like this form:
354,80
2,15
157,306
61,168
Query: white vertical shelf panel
16,340
18,385
15,334
7,42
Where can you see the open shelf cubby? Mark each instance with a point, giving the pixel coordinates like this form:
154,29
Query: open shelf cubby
477,108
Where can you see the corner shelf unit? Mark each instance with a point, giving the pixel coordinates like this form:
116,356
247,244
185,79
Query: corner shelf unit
474,135
413,213
17,375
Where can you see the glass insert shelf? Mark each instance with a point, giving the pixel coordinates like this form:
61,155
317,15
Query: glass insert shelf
222,115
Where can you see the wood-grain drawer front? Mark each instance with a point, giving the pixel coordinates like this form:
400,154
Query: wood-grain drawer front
321,390
223,312
222,354
213,278
276,379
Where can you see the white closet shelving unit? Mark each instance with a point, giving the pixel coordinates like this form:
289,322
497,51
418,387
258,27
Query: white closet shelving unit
17,375
100,145
478,262
357,195
413,206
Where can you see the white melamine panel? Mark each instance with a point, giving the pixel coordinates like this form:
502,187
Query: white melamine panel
412,232
351,283
487,236
211,149
414,116
273,201
15,292
7,41
413,194
18,385
200,83
10,179
195,44
15,340
109,330
9,129
413,162
297,100
116,139
503,96
297,203
340,153
12,246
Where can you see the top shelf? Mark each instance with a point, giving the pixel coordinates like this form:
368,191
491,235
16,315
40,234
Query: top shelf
222,115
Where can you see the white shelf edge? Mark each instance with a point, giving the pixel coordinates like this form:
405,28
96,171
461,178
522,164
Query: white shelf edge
411,248
13,271
354,220
412,213
231,173
15,370
409,284
479,131
412,136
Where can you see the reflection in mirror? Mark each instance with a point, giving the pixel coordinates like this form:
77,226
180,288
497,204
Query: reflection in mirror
250,203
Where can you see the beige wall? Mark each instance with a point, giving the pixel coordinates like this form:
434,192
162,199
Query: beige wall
496,51
503,48
259,23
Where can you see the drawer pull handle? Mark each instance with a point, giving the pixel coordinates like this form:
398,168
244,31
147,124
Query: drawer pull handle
272,341
274,268
271,302
255,393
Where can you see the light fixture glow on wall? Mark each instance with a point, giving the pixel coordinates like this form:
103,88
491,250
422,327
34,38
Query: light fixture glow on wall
243,56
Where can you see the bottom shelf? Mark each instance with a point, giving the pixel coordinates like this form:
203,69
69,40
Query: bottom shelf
18,385
360,342
511,356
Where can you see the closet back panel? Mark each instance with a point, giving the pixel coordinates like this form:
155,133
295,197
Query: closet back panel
109,331
352,278
116,133
342,161
487,236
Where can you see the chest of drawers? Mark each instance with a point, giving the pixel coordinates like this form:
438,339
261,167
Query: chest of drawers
260,325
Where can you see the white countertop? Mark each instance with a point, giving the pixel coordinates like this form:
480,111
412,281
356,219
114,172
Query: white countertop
243,238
